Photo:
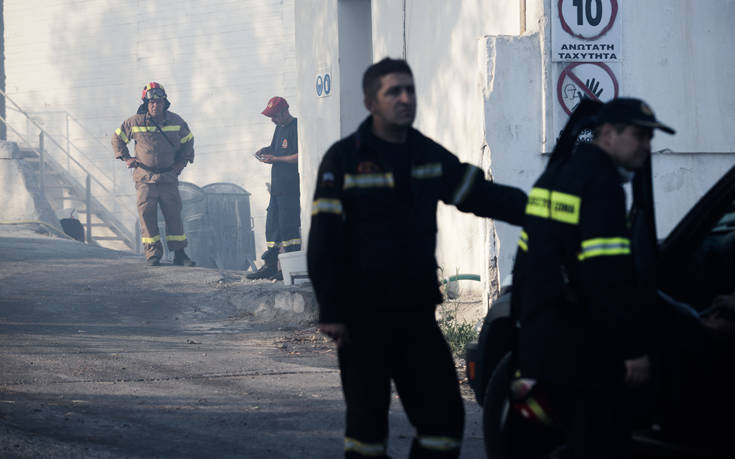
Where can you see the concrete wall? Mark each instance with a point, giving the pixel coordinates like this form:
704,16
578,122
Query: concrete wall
220,61
317,48
514,78
355,54
20,192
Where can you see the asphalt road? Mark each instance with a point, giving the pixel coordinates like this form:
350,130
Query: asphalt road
102,356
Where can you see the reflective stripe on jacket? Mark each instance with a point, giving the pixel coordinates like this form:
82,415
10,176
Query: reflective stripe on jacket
574,284
157,149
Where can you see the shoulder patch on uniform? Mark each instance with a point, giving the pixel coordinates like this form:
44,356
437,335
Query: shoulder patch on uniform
285,143
327,179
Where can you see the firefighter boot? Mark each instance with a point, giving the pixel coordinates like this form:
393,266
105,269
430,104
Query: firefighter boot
181,259
269,268
153,261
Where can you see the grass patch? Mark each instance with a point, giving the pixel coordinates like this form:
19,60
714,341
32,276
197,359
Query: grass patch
458,334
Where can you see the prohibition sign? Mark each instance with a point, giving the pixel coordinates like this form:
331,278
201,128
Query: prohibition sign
319,85
594,80
587,19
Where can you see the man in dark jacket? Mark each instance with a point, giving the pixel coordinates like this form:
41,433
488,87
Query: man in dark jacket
371,260
283,220
581,325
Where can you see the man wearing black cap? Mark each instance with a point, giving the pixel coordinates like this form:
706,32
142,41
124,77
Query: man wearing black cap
581,327
282,224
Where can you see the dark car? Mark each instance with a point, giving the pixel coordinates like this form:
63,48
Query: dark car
689,268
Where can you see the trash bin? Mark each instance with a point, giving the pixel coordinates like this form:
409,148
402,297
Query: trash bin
196,225
231,223
218,226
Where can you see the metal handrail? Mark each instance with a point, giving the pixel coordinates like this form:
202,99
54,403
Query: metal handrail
47,135
53,140
85,131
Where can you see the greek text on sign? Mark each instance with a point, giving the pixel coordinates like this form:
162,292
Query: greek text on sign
594,80
586,30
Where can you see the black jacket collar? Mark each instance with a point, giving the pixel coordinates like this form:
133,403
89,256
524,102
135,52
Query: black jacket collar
364,135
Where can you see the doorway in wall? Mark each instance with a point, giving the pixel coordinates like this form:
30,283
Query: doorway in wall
355,55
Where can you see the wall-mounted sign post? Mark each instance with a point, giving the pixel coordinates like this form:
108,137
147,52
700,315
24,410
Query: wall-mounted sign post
586,49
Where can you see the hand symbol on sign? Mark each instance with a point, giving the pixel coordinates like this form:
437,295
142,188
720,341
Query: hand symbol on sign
593,87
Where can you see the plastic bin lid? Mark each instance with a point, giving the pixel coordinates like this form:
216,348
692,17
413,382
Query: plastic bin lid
224,188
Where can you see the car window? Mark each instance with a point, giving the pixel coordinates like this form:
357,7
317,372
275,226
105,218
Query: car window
727,222
711,269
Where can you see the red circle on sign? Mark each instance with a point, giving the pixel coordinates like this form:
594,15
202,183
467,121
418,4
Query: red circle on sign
568,70
567,29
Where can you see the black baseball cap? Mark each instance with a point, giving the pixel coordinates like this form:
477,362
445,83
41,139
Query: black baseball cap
627,110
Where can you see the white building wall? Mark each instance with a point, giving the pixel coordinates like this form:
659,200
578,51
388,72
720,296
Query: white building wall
487,93
675,55
441,47
220,61
317,48
440,39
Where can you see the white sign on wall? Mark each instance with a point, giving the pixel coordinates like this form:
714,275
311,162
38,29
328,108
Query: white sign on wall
586,30
593,80
323,81
575,80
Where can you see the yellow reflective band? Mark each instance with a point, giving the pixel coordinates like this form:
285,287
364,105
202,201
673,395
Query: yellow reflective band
600,247
562,207
270,244
538,411
176,237
466,184
330,206
142,129
151,240
439,443
369,181
187,137
565,207
538,202
172,128
426,171
291,242
122,135
523,241
366,449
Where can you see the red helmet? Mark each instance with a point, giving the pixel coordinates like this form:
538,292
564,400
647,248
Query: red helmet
153,90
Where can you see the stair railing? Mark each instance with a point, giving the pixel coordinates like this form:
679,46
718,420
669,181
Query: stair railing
89,177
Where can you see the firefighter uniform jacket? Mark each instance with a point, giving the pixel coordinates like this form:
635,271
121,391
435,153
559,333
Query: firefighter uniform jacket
157,148
373,226
285,176
574,288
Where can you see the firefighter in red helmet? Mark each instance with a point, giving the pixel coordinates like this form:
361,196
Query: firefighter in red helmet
164,145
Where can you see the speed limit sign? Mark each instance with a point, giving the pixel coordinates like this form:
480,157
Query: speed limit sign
586,30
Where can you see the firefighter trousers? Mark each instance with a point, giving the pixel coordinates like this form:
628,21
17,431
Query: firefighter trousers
283,222
149,197
408,348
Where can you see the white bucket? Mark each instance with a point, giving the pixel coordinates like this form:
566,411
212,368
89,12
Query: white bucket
293,267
